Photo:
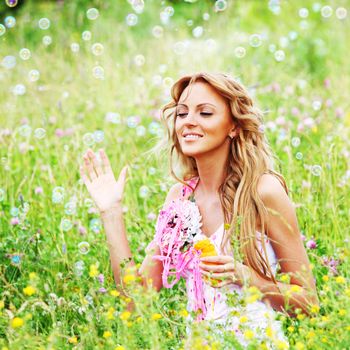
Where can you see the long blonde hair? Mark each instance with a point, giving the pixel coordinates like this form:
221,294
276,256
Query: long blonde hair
249,157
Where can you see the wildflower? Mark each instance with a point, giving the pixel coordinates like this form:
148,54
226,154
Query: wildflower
2,304
290,329
110,313
119,347
73,340
156,316
125,315
93,270
17,322
129,279
184,313
347,292
38,190
114,293
282,345
139,319
14,221
29,290
314,309
300,317
107,334
206,247
269,332
285,278
243,319
342,312
295,288
249,334
340,279
33,276
299,346
325,278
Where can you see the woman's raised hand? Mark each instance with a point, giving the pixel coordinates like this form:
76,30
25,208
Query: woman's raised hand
99,179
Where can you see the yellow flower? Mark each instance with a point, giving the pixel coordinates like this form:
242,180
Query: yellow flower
2,304
73,340
342,312
325,278
119,347
139,319
129,279
295,288
347,292
114,293
125,315
206,247
285,278
282,345
28,316
107,334
310,334
243,319
290,329
17,322
110,313
299,346
269,332
340,280
249,334
93,270
314,309
300,317
29,290
33,276
156,316
183,313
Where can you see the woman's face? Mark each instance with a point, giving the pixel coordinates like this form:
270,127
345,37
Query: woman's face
204,112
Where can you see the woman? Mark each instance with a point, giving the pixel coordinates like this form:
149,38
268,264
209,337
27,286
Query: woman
218,136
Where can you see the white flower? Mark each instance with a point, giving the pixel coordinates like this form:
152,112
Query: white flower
192,221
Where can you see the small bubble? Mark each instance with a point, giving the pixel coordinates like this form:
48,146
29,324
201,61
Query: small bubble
79,267
99,136
140,130
299,156
169,10
19,90
9,62
131,19
139,60
179,48
132,121
316,170
2,194
75,47
24,54
89,139
84,247
279,55
316,105
14,211
341,12
240,52
10,21
11,3
138,6
189,22
295,141
220,5
255,40
97,49
25,130
66,225
98,72
326,11
15,259
152,170
154,128
95,225
33,75
206,16
86,35
88,203
157,31
47,40
2,29
197,32
112,117
144,191
58,194
44,23
92,13
70,208
39,133
303,12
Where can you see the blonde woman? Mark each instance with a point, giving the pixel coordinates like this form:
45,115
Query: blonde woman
228,169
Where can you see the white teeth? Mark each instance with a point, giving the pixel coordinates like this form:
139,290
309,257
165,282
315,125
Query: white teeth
192,136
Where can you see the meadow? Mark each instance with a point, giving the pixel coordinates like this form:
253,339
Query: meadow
80,74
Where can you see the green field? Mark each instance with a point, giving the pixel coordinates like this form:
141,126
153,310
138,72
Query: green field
80,74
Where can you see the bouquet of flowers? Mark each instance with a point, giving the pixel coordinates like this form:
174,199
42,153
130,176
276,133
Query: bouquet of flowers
177,232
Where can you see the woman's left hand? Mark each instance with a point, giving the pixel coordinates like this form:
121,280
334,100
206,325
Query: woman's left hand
221,270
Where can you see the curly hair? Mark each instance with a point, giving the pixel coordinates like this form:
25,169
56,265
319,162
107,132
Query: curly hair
250,156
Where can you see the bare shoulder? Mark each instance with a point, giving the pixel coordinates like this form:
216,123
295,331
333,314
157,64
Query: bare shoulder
270,189
174,192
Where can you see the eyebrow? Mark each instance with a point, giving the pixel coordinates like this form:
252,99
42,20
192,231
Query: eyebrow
201,104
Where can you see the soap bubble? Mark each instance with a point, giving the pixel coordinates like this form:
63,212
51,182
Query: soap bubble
33,75
295,141
255,40
97,49
24,54
9,62
303,12
157,31
95,225
75,47
132,121
220,5
88,202
2,29
299,156
279,55
326,11
140,130
197,32
79,267
86,35
98,72
240,52
25,130
88,139
99,136
2,194
11,3
70,208
39,133
47,40
179,48
139,60
44,23
113,117
66,225
10,21
92,13
131,19
316,170
14,211
144,191
19,89
58,194
84,247
341,12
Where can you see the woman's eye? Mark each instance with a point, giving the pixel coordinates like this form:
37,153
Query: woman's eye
206,113
203,113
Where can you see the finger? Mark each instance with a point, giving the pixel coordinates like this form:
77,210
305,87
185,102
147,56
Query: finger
122,176
83,176
105,161
221,284
95,162
217,268
89,168
218,275
218,259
